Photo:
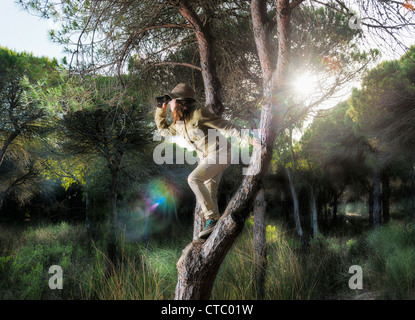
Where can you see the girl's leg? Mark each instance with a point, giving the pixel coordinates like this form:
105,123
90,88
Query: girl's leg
213,185
204,182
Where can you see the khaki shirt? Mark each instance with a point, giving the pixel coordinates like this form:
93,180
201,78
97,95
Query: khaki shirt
201,128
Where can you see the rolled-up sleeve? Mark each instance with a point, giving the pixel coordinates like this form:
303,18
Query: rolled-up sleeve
164,129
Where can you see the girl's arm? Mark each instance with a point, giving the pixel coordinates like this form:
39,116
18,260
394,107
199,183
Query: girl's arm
210,119
164,129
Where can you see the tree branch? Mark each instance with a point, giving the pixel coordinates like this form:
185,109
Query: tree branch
178,64
262,39
211,81
295,3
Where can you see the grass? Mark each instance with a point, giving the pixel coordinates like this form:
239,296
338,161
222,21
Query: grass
26,256
392,260
136,279
387,257
283,273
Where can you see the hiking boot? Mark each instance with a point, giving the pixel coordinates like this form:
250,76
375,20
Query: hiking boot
210,225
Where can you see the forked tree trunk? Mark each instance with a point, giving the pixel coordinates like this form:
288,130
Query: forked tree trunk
199,264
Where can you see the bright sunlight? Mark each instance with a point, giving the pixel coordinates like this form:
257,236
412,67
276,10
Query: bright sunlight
306,84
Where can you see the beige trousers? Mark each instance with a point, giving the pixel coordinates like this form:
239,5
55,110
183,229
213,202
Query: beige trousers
204,181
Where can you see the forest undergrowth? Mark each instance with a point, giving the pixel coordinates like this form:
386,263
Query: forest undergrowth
148,271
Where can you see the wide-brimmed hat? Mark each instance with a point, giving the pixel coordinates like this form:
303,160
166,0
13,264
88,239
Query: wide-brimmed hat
181,91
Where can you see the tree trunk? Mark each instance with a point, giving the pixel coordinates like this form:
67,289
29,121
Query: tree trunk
112,247
87,217
6,145
211,81
313,212
199,264
326,213
376,199
198,221
335,201
385,198
260,244
413,192
16,182
2,196
371,202
88,223
296,207
261,29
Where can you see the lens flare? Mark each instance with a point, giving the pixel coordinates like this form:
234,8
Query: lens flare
160,193
154,206
153,212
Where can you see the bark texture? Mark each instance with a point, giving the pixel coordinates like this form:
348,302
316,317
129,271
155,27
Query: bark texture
260,244
314,221
211,81
295,204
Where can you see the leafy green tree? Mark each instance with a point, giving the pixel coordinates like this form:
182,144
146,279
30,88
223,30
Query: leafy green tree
383,111
69,169
332,146
22,122
112,130
98,122
286,159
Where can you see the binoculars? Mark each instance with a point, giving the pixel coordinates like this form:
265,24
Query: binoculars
161,100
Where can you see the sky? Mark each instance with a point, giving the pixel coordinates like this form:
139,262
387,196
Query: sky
22,31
